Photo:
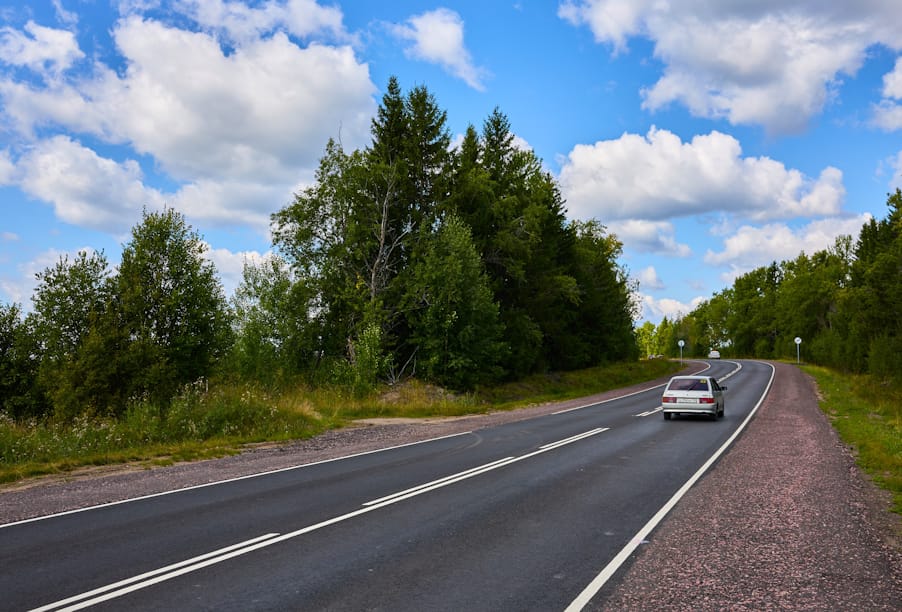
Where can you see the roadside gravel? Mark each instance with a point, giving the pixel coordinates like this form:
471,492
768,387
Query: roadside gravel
784,521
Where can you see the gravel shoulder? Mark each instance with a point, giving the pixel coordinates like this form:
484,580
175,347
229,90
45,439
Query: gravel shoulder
784,520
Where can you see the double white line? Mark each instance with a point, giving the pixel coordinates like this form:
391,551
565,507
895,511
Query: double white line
129,585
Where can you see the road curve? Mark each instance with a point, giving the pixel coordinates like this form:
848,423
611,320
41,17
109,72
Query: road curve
785,521
726,544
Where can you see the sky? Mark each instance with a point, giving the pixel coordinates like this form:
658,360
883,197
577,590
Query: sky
711,137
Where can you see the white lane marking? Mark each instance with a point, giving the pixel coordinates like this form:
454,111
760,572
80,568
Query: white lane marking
649,412
172,571
446,479
593,587
147,575
228,480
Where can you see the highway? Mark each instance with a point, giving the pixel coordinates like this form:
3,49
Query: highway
531,515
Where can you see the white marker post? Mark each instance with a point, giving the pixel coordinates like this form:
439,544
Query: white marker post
798,344
682,344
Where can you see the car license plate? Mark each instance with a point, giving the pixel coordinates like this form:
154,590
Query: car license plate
687,400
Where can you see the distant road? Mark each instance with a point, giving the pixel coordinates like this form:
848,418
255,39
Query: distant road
531,515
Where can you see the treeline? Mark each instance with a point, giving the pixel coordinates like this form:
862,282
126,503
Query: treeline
844,303
407,258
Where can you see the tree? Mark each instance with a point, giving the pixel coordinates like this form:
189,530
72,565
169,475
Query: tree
20,396
65,297
453,320
274,334
172,305
69,296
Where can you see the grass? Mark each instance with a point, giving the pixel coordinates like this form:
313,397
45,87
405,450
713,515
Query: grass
867,414
202,423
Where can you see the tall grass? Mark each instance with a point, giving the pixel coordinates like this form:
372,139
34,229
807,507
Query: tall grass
867,414
203,423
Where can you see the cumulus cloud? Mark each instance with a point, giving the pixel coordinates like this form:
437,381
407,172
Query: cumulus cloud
748,63
649,237
230,265
241,22
752,247
648,279
658,176
888,112
39,48
656,309
236,129
7,168
438,37
85,189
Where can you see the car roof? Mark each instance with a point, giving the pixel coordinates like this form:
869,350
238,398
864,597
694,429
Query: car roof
692,377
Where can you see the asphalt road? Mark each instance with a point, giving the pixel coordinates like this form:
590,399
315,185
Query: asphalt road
531,515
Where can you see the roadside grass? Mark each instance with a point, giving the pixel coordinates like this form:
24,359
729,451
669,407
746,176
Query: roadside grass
867,414
204,423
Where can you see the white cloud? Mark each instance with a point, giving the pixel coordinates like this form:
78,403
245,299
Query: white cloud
888,112
9,237
660,177
86,190
655,309
649,280
649,237
892,82
240,22
767,63
39,48
438,37
7,168
753,247
896,182
888,115
236,129
230,265
19,289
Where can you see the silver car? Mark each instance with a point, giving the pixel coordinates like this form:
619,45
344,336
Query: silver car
693,395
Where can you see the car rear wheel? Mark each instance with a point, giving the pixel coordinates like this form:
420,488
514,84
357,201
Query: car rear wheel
667,416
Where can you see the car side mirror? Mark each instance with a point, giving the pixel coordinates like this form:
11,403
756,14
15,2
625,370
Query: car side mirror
723,388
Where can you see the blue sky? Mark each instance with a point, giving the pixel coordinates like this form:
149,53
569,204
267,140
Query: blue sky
710,137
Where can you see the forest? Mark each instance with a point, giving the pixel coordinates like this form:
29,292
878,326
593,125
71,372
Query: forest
407,259
844,303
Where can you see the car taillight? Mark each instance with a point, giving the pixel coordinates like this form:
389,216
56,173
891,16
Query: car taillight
706,400
670,400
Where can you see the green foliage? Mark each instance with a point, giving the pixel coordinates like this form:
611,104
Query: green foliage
203,423
844,302
408,257
867,413
362,241
275,337
366,362
20,394
172,305
198,423
453,320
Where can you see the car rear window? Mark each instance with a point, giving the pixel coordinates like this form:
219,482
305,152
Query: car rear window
688,384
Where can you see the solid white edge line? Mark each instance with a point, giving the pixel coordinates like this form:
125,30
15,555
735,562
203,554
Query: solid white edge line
593,587
227,480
